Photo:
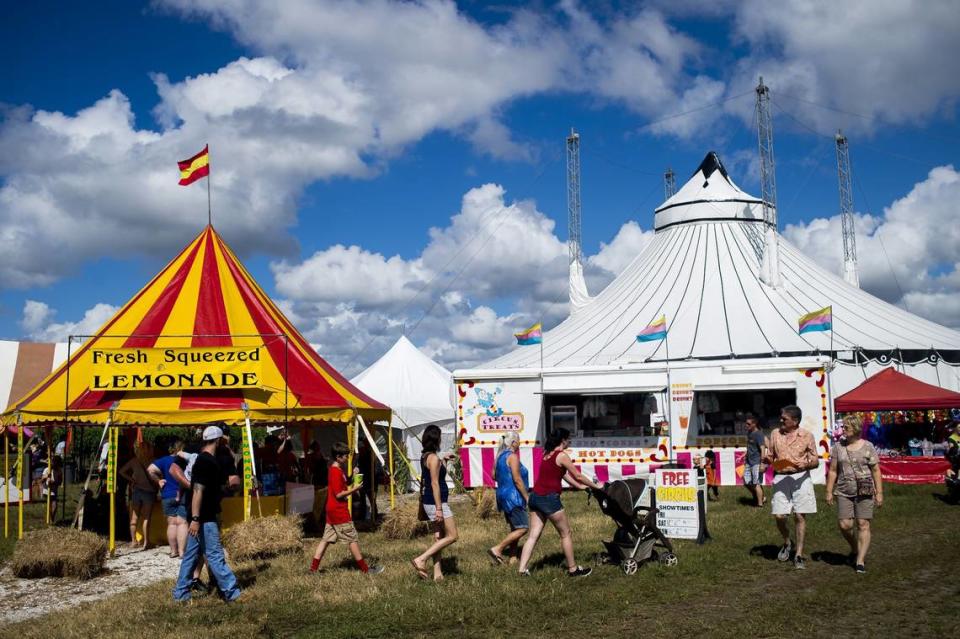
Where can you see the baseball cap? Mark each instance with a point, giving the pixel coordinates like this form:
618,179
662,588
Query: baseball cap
211,433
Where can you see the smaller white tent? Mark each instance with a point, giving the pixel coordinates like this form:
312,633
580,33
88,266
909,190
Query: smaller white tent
417,389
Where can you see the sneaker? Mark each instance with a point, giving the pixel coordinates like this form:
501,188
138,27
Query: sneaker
580,572
799,563
861,569
375,569
525,573
784,554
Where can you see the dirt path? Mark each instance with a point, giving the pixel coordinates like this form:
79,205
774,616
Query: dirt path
26,598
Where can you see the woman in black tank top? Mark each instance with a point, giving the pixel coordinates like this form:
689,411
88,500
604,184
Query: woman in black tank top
435,492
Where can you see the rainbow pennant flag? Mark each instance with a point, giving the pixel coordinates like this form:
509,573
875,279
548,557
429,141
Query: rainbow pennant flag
533,335
821,320
657,329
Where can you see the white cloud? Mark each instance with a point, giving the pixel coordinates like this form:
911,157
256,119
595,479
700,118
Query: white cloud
907,255
496,268
626,245
894,61
39,326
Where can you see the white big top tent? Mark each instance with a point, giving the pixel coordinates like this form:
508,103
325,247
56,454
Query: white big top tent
419,392
728,332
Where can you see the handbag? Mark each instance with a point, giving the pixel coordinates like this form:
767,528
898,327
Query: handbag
421,511
865,487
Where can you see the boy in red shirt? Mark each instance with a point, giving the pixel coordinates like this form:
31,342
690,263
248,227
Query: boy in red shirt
339,526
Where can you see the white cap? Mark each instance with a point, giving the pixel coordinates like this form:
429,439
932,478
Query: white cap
274,429
212,433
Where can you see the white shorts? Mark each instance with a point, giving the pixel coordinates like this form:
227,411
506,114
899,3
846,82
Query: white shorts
793,494
431,511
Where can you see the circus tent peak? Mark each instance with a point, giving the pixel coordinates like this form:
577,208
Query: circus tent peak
702,270
203,298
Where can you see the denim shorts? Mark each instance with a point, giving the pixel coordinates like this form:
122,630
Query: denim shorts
546,505
517,518
752,475
172,507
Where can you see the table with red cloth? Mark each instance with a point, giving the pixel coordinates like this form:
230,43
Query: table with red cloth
913,470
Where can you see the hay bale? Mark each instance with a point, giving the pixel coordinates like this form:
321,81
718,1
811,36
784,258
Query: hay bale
402,522
264,537
485,503
59,552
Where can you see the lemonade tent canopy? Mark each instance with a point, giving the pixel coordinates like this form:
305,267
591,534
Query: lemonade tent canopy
203,298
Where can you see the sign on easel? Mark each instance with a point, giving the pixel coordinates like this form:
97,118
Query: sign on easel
113,436
247,473
681,504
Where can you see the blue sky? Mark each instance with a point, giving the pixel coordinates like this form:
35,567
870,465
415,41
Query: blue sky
342,133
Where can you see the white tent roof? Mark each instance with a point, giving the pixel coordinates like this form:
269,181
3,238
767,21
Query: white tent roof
23,365
415,387
702,271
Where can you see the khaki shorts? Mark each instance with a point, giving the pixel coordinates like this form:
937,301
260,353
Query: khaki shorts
854,507
332,533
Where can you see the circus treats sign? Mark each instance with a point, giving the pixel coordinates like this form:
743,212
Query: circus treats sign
500,423
153,369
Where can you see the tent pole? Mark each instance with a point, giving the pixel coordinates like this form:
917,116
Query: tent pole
350,461
6,483
112,488
20,476
666,343
50,477
389,429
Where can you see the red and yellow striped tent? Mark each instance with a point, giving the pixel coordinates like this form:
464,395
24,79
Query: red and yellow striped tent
203,298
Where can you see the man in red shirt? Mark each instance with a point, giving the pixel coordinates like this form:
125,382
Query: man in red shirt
339,526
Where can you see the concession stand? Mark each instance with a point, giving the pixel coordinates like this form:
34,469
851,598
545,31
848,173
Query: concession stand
907,420
200,344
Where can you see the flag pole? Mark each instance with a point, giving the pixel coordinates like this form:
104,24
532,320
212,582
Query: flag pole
209,206
666,343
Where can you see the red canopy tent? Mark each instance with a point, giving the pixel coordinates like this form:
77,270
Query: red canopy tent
892,390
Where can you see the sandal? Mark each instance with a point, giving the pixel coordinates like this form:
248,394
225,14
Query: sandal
421,571
494,557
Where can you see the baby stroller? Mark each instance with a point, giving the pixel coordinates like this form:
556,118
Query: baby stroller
637,538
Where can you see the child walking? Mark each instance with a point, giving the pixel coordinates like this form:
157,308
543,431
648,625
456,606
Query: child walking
339,526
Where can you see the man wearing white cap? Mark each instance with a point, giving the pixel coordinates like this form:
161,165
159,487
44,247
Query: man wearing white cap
204,511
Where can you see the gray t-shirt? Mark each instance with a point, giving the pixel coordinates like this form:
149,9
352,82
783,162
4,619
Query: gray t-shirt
852,464
754,447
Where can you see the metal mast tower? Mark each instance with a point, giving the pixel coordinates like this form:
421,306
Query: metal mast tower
573,196
770,265
669,184
768,179
846,211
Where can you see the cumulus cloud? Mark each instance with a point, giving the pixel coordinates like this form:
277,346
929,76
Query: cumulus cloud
38,324
892,61
907,255
497,267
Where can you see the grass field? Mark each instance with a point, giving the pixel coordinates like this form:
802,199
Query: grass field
730,587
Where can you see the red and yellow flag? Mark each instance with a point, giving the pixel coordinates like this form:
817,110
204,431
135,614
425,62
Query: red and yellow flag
195,168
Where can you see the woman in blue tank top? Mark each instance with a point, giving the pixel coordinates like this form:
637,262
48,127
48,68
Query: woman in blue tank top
511,477
435,492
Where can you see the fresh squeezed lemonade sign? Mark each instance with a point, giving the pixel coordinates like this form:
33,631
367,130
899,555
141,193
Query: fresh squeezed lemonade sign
152,369
678,514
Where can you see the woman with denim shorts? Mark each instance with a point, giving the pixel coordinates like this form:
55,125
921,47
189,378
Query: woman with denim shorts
511,478
172,497
545,501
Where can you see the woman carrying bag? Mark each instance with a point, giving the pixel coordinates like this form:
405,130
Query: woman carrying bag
854,478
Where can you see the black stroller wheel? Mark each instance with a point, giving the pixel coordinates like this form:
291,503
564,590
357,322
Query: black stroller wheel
667,559
601,558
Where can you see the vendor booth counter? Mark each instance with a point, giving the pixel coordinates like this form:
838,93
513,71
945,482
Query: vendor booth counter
913,470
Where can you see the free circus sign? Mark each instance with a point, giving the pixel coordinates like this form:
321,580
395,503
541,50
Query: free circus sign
502,423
